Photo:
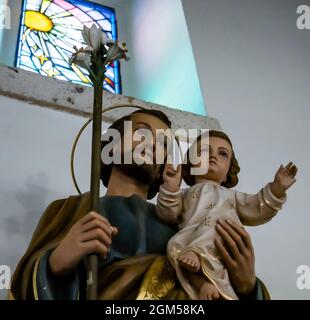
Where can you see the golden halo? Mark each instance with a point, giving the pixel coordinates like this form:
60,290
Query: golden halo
76,140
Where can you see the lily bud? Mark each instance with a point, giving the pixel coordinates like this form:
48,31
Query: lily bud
116,51
82,59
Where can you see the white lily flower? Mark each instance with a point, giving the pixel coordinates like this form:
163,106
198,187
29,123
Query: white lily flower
116,51
94,37
82,57
99,50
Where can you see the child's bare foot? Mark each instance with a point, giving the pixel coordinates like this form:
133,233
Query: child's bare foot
190,261
208,291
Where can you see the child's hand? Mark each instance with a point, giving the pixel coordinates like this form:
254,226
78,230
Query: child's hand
285,177
172,177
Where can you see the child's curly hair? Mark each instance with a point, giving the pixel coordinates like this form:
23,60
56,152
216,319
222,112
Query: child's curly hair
234,169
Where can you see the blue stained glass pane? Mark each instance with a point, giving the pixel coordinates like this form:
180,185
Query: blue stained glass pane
27,62
65,32
26,50
110,73
84,8
47,48
108,88
61,78
53,9
69,21
33,7
95,14
35,39
36,62
62,44
54,53
35,2
69,74
107,16
105,25
60,62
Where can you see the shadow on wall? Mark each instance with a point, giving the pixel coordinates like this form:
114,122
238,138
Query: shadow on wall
21,209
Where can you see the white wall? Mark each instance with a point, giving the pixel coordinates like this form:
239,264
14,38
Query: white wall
34,169
254,71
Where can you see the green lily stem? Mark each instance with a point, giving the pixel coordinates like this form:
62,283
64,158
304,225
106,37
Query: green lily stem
92,75
98,70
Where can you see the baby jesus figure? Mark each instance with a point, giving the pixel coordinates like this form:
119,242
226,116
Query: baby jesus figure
209,199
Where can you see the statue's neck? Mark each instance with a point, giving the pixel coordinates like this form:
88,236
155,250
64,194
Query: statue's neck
122,185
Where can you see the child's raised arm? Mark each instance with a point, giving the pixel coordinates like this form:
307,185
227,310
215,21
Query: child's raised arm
261,207
284,178
169,200
172,177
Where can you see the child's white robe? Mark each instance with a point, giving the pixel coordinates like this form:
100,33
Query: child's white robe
197,210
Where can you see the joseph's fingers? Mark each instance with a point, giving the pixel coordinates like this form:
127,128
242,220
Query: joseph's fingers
96,223
92,215
243,234
235,235
96,246
229,241
114,231
88,217
97,234
228,261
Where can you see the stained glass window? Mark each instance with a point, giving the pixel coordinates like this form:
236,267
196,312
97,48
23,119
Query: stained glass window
50,28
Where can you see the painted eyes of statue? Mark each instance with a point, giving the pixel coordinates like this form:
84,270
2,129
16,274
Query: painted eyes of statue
223,154
204,151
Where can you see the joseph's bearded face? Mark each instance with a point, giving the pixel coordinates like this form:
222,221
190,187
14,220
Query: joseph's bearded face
145,167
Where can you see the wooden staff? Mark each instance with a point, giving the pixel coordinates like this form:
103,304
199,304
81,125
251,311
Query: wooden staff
99,57
98,69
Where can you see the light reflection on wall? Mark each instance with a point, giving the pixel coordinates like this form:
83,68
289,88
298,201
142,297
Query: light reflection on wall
3,19
165,70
